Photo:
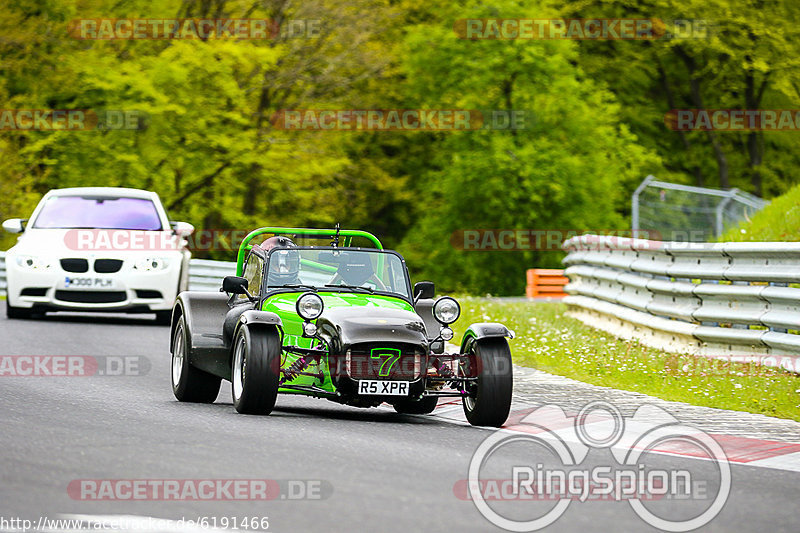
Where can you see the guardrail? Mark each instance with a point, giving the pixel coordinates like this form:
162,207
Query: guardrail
204,275
715,299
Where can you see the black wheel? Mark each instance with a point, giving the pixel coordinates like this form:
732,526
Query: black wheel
190,384
490,401
416,407
163,318
17,312
255,369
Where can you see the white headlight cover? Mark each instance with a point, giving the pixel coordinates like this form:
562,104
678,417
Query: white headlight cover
309,306
446,310
151,263
32,262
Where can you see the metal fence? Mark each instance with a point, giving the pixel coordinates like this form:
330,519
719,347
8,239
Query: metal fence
204,275
686,213
717,299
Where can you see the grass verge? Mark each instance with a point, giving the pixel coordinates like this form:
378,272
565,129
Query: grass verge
549,340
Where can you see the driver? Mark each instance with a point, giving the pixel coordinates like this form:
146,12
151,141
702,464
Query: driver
284,264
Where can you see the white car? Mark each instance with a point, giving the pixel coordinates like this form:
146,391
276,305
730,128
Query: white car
97,249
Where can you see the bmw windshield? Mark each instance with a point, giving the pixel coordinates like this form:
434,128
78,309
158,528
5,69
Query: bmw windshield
339,270
98,213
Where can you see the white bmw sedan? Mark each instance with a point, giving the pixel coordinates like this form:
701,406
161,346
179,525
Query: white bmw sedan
97,249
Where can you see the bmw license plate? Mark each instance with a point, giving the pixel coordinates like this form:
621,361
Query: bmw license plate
377,387
98,283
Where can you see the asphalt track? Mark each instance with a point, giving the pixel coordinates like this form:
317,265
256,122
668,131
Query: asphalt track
374,470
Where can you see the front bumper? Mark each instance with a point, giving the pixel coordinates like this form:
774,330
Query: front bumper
127,290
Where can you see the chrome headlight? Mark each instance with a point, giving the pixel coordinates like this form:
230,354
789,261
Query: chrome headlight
32,262
309,306
151,263
446,310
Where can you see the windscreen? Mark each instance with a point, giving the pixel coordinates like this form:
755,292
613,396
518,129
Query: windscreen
345,270
98,213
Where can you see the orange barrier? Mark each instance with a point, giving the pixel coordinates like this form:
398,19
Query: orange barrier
546,282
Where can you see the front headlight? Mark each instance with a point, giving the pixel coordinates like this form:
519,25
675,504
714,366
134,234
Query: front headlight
32,262
151,263
309,306
446,310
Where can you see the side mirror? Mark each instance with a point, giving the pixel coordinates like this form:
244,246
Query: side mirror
424,290
235,285
13,225
182,228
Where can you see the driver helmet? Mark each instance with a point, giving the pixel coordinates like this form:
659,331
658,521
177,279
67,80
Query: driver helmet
284,264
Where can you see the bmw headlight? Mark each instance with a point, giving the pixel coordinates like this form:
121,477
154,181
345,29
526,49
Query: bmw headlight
32,262
309,306
446,310
151,263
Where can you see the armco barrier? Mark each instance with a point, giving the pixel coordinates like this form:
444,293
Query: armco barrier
715,299
204,275
545,282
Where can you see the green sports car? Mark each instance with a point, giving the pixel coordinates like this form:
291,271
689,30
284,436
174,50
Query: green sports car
338,322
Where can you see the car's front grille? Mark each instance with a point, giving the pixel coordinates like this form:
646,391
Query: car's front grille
75,265
107,266
91,297
34,291
393,361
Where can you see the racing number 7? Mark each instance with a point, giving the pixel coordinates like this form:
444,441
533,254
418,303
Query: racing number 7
390,357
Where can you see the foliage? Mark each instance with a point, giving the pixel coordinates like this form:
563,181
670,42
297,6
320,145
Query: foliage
779,221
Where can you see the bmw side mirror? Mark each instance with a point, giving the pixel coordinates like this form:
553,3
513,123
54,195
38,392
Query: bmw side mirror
14,225
235,285
184,229
424,290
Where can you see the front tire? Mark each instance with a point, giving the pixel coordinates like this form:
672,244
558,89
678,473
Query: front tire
255,369
423,406
190,384
491,402
17,312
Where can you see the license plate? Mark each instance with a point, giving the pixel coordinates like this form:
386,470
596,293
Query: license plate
377,387
88,283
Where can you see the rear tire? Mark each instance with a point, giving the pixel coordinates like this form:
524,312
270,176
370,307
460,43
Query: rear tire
17,312
424,406
255,370
492,402
190,384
